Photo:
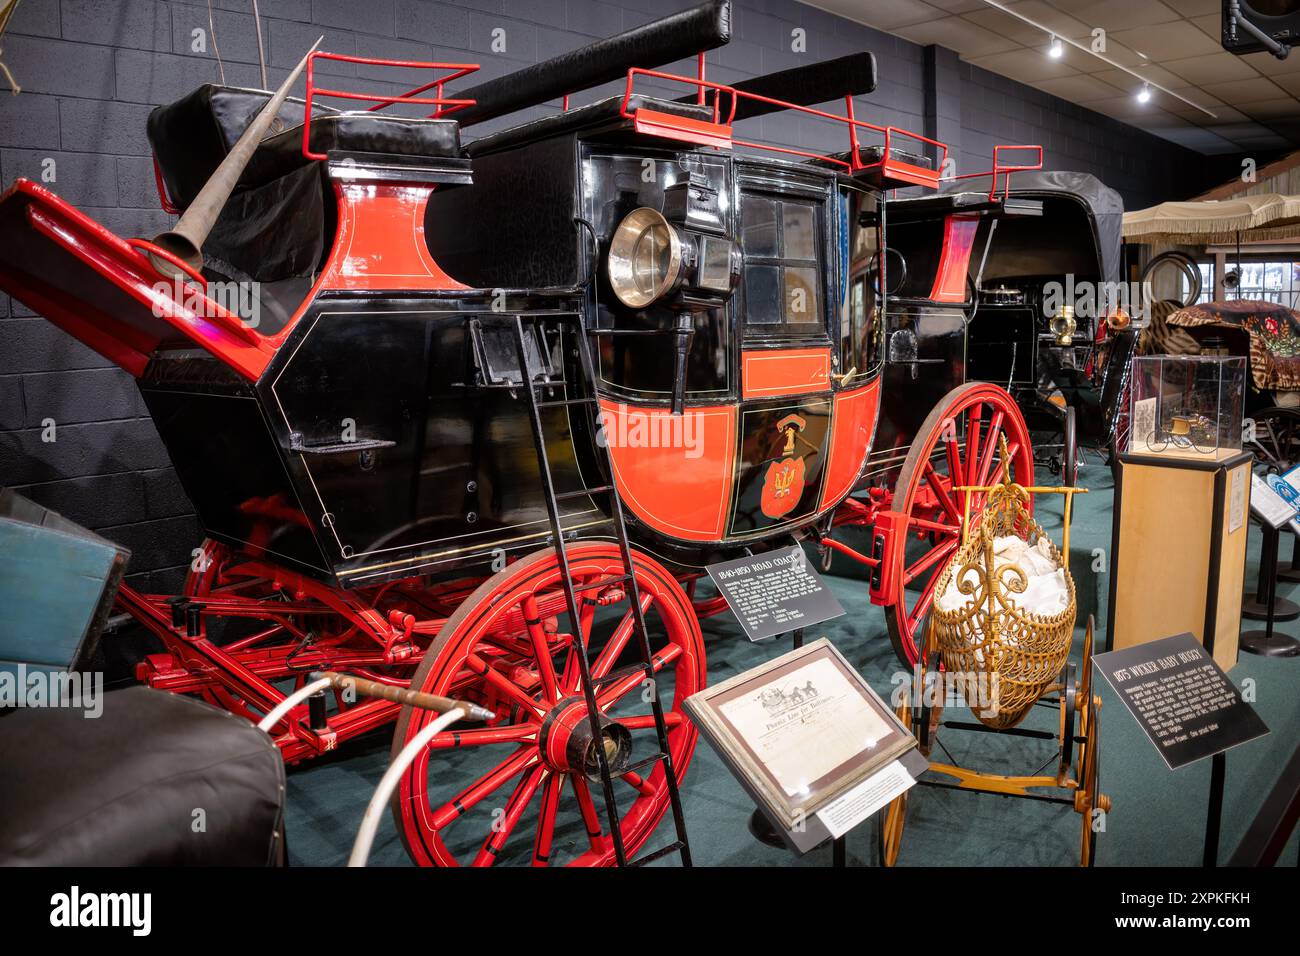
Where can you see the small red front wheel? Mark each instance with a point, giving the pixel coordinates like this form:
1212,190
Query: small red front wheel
521,789
956,446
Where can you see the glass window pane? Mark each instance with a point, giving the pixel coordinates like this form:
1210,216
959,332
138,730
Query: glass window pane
758,226
762,295
800,241
801,301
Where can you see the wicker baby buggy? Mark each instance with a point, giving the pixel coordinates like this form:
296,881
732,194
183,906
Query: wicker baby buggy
1010,655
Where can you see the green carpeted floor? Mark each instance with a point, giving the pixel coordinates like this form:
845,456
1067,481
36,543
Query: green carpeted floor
1158,816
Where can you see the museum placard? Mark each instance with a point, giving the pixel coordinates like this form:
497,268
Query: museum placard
774,592
1182,700
804,731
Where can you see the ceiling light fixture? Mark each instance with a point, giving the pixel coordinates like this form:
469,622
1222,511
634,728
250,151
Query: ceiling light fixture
1144,94
1055,49
1100,56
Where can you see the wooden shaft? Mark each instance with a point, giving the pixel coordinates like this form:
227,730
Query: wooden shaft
402,695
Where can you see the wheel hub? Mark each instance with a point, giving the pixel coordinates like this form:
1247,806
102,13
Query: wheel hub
567,745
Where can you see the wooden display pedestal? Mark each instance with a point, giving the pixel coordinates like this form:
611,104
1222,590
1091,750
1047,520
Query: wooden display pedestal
1178,550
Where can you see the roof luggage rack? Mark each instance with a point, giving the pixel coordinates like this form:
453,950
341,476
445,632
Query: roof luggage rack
881,164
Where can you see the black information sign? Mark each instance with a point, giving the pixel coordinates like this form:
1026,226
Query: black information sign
774,593
1180,698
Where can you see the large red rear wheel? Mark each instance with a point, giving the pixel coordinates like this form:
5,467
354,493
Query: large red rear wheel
475,788
957,445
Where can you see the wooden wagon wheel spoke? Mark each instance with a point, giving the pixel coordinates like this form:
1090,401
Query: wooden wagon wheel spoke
546,819
487,855
638,783
590,819
973,420
508,734
504,685
609,654
940,489
482,788
647,721
929,560
611,695
541,649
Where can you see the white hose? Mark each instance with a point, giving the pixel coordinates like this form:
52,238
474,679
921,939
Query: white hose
375,810
292,701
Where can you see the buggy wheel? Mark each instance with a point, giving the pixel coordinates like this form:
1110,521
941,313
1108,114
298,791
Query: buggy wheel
942,457
1277,439
1089,798
891,820
487,783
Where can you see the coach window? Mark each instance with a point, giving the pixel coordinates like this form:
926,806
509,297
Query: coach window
782,240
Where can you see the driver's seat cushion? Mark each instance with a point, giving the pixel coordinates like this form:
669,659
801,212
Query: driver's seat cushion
192,136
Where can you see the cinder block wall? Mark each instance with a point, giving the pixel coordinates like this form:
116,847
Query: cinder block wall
91,70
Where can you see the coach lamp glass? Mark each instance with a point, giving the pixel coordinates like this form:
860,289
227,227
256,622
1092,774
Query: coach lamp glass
645,258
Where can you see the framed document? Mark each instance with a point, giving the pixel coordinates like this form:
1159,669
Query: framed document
800,730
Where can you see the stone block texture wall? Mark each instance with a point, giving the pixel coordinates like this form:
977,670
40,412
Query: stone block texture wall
91,70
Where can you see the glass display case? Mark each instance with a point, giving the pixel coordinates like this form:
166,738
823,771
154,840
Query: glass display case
1189,406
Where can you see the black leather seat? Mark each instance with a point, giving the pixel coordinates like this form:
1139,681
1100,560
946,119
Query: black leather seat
191,136
125,788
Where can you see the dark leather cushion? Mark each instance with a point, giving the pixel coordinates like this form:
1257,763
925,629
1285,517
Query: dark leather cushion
604,112
123,789
191,136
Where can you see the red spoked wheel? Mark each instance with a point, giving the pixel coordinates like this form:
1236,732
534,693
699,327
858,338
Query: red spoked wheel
957,445
515,775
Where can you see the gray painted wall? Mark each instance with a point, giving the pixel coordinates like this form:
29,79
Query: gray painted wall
91,70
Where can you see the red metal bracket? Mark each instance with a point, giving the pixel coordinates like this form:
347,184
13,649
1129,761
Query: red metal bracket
1005,171
718,132
445,106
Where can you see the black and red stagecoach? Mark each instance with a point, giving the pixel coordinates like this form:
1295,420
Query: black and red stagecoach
504,401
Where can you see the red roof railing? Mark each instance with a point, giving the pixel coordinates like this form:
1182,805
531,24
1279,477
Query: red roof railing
445,105
1004,171
718,131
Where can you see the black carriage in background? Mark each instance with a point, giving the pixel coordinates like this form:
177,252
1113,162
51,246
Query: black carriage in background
1047,316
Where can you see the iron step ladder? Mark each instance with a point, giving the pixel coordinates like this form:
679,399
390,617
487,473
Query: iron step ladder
535,380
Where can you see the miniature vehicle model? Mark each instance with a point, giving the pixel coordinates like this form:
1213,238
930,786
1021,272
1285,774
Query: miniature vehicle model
504,401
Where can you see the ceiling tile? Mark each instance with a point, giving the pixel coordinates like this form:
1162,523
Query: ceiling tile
883,14
958,34
1217,68
1115,15
1167,41
1289,82
1196,8
1211,26
1125,82
1258,88
1270,65
1026,65
1286,108
959,6
1005,24
1080,88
